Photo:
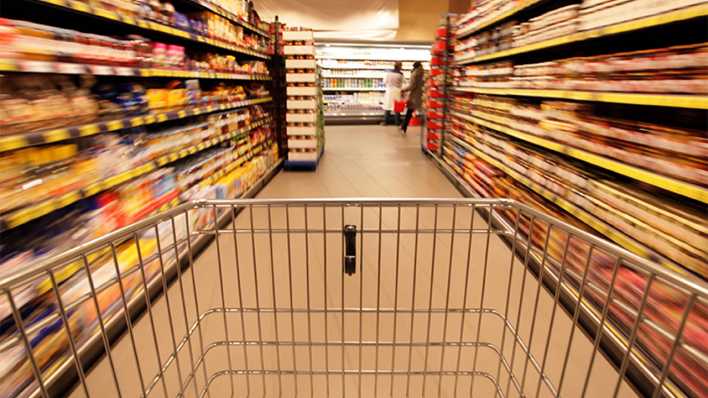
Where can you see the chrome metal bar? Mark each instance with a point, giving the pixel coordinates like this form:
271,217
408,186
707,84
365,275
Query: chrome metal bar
378,301
256,291
324,293
430,299
69,334
183,301
507,301
485,263
290,291
126,313
239,289
193,271
274,298
413,289
522,291
395,297
603,318
169,308
468,263
447,297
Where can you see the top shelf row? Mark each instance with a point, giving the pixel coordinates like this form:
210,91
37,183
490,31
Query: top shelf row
86,8
217,9
684,14
506,11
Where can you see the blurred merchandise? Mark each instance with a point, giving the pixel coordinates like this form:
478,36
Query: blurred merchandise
103,127
24,42
570,109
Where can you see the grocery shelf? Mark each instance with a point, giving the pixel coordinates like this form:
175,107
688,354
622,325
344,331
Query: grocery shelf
581,214
217,9
353,89
84,8
362,67
353,114
12,142
491,21
28,66
62,376
613,341
351,77
216,176
670,184
684,14
32,212
319,58
667,100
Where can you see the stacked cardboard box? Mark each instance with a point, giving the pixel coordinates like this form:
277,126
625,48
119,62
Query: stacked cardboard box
305,122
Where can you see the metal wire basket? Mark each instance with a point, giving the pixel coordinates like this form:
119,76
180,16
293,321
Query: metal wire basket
420,297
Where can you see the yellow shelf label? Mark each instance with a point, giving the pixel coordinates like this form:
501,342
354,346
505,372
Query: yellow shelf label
89,129
56,135
114,125
668,183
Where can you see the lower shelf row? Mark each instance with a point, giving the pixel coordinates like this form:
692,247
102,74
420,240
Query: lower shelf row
139,260
492,165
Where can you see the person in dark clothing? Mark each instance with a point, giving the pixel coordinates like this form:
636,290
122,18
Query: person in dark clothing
415,96
393,83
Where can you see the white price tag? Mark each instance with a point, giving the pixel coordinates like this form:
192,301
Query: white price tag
71,68
123,71
101,70
36,66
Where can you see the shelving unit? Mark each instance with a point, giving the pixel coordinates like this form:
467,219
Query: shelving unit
27,66
304,118
353,77
616,161
33,138
685,14
135,139
666,100
148,25
333,89
437,90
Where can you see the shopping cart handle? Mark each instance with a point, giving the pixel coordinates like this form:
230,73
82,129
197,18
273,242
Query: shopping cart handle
350,249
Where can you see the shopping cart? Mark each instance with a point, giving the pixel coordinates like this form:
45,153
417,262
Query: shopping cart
420,297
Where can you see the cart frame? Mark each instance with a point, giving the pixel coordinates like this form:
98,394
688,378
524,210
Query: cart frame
453,223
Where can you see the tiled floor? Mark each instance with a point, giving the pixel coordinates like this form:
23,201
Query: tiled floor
394,347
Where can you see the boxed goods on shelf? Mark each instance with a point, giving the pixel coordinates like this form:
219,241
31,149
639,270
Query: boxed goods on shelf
81,156
300,64
436,88
596,158
65,104
302,104
676,69
200,26
489,164
305,127
32,47
216,174
595,14
626,141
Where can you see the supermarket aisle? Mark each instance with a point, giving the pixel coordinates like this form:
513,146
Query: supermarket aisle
304,271
366,161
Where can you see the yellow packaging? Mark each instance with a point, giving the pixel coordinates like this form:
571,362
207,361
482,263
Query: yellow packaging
156,98
176,97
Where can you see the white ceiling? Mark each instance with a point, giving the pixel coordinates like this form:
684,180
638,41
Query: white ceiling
336,19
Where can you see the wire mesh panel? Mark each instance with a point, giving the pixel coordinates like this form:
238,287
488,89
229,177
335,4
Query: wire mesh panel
317,298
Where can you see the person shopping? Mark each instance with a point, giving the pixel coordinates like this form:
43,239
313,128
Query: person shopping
415,96
393,83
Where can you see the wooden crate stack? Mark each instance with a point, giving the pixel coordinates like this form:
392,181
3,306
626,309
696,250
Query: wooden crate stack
305,119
